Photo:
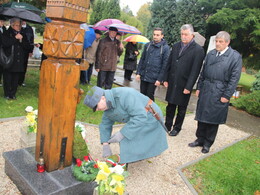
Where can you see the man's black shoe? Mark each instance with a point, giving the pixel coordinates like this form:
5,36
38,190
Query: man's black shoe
205,149
194,144
174,133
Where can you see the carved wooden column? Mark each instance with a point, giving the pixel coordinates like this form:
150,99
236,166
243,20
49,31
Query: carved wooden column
59,81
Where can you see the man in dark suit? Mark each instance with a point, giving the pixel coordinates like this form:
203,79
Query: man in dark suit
29,35
2,30
182,71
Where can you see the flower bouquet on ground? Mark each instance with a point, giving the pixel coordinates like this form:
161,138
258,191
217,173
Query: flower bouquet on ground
110,180
31,119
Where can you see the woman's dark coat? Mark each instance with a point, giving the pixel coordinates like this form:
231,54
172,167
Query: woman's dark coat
182,72
19,47
153,62
218,78
130,64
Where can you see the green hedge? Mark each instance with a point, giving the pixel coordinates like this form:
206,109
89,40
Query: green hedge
250,103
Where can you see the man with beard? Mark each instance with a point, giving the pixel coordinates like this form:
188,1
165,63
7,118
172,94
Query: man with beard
152,64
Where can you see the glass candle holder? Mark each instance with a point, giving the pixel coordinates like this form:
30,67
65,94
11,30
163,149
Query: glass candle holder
41,165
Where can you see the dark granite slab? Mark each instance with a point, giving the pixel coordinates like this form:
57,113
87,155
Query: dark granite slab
20,166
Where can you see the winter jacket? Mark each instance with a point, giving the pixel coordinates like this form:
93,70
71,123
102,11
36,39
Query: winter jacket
218,78
91,52
153,61
29,34
182,72
144,135
107,53
19,48
130,64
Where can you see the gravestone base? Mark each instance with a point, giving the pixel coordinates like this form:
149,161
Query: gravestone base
20,166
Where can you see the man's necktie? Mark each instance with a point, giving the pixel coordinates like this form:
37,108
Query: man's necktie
218,54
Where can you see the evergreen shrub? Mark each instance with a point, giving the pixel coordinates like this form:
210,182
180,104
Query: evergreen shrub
250,103
256,83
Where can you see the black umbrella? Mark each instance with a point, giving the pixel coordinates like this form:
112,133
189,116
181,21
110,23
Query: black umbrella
20,13
22,5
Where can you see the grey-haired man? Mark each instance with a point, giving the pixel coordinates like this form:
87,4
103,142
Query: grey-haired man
217,82
182,71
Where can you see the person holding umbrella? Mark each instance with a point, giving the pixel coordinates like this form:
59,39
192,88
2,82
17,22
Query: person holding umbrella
14,38
142,136
130,61
108,50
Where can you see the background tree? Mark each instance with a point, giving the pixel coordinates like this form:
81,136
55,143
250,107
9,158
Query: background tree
103,9
131,20
144,15
171,15
189,12
127,10
241,18
163,16
111,9
96,15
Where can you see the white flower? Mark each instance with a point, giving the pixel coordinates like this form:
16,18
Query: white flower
118,169
35,112
29,109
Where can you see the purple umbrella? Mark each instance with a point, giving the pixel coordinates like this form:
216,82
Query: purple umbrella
101,25
127,29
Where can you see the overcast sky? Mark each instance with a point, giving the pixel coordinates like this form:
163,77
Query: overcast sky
134,5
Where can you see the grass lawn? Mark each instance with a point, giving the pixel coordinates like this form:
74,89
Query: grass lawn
28,96
246,80
235,170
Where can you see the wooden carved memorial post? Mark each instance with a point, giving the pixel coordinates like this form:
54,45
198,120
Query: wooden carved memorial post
59,81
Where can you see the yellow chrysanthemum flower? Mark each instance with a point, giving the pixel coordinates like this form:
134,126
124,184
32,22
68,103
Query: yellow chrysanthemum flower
100,177
120,189
118,177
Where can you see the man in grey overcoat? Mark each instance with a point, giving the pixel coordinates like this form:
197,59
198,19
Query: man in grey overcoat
142,136
183,68
217,83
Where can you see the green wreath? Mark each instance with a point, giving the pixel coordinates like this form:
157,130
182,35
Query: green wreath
87,172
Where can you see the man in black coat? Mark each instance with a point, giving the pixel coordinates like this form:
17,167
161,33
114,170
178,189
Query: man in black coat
152,64
2,31
183,68
29,35
217,82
